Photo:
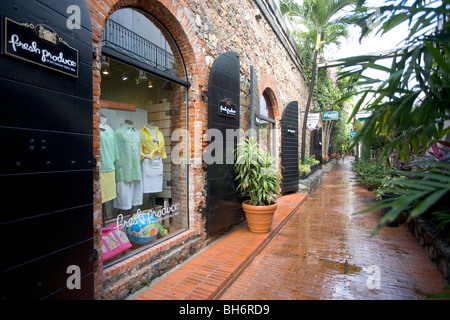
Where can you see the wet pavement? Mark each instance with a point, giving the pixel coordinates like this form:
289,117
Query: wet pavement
325,252
317,250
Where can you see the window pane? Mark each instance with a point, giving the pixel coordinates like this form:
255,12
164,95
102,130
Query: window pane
144,187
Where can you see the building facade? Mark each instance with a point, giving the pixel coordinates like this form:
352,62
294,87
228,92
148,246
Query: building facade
170,80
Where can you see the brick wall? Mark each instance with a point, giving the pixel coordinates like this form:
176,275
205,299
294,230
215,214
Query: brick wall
202,29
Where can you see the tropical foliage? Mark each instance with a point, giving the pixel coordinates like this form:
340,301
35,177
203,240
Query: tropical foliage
306,167
324,27
258,178
412,102
410,106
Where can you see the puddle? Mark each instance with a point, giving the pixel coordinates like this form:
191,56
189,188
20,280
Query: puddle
340,267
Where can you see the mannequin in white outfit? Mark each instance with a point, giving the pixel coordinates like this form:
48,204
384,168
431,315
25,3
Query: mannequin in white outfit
152,168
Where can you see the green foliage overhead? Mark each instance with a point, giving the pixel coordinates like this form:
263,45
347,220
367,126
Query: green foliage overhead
412,102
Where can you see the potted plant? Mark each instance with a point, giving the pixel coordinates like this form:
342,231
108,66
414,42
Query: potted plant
387,190
259,182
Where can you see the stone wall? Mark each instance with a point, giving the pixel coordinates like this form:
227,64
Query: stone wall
436,248
202,30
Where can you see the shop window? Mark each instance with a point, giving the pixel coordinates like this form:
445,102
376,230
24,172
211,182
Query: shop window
143,179
267,124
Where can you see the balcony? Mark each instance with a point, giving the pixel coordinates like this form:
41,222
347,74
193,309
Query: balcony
125,41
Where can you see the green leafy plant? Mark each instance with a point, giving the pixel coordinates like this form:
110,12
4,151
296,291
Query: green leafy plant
310,160
303,168
389,185
410,104
325,26
258,177
370,174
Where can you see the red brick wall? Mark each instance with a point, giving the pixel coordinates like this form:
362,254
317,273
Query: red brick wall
202,30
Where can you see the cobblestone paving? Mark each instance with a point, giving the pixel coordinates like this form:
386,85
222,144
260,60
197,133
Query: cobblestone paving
325,252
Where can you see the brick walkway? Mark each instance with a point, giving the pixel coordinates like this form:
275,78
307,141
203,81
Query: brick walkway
325,252
209,273
316,251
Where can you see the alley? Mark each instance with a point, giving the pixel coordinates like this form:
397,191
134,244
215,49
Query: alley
325,252
316,250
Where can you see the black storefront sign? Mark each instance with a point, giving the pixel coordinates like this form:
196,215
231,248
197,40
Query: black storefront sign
227,108
41,45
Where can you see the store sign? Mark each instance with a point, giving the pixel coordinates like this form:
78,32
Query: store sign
40,45
227,108
161,214
291,130
352,134
313,121
330,115
363,115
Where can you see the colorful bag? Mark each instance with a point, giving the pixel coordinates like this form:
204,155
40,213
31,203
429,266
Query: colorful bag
114,241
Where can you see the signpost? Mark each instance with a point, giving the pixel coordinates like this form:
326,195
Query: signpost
330,115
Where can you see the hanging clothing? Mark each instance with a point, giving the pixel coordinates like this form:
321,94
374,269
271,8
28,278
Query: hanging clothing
152,153
128,166
108,185
129,194
151,145
152,175
108,149
108,157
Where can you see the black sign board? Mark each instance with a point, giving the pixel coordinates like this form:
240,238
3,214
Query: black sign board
227,108
40,44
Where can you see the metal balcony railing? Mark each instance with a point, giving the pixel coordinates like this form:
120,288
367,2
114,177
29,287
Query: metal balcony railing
119,38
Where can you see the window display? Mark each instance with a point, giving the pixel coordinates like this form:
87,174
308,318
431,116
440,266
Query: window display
144,192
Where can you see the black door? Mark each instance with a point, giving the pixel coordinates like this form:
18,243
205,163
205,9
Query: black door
46,166
289,147
223,204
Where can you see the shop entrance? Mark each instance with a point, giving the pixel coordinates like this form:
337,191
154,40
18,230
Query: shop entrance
47,164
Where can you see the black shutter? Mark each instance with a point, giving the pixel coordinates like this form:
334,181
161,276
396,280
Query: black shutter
46,167
223,203
254,103
289,147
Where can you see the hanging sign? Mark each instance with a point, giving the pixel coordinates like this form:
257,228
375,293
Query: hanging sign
363,115
227,108
257,120
352,134
40,45
330,115
313,121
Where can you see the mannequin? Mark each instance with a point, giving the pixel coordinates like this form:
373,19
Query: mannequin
128,167
108,157
152,154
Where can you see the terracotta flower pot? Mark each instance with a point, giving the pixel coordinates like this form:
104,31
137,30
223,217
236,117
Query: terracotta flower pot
259,218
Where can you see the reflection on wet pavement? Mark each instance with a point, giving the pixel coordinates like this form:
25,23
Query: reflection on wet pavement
326,252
